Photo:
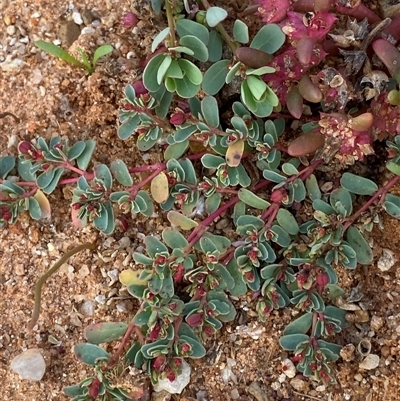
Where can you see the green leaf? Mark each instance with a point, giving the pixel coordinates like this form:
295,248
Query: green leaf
269,39
151,71
281,237
7,163
101,52
214,77
84,158
313,188
252,200
174,239
121,172
154,246
24,170
273,176
101,220
213,202
193,72
215,15
291,341
210,111
341,201
110,218
75,390
240,32
176,150
197,46
34,208
256,85
358,185
212,161
260,71
300,325
214,47
360,246
89,353
186,27
232,72
88,65
163,68
76,150
58,52
174,71
103,174
159,39
287,221
392,205
98,333
393,167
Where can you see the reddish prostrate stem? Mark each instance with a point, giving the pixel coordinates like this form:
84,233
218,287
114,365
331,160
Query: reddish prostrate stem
114,358
381,192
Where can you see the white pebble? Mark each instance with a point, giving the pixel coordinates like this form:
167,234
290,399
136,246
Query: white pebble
30,365
76,16
11,30
177,386
37,77
101,299
87,308
87,30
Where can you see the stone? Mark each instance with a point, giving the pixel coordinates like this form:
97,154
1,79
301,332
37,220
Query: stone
68,32
177,386
30,365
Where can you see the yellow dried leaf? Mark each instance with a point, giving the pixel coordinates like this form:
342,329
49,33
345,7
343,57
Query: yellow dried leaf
129,276
234,153
159,188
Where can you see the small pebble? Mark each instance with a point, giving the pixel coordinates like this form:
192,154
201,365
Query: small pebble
11,30
235,394
177,386
30,365
87,308
101,299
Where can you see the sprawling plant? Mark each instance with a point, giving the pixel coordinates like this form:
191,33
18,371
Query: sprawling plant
288,237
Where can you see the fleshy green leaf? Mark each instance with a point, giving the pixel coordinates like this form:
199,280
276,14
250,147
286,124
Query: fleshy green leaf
210,111
214,77
84,158
360,246
101,52
188,27
291,341
287,221
7,163
121,172
104,332
240,32
269,39
89,353
215,15
58,52
252,199
197,46
159,38
358,185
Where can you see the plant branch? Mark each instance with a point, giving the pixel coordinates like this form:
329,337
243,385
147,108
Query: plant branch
45,276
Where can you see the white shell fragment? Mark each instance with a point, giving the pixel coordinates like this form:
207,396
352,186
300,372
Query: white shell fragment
178,384
371,361
30,365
